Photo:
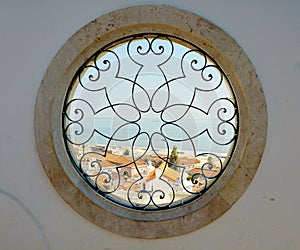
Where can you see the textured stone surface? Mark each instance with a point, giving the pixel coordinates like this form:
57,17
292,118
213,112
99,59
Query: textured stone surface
216,43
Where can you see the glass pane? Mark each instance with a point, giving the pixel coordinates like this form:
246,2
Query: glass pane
150,122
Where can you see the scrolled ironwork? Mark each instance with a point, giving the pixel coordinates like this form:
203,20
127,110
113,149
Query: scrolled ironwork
150,122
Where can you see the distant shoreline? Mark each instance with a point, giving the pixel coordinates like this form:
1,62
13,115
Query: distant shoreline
120,149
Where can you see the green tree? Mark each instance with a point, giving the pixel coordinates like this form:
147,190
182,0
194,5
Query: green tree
210,162
173,158
126,151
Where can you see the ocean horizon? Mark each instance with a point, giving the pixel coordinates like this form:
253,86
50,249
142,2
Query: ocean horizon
174,135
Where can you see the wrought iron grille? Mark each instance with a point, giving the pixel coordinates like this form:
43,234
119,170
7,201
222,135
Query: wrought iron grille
150,122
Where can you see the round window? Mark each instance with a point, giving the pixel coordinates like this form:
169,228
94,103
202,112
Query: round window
150,122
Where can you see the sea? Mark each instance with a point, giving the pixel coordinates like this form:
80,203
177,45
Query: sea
188,135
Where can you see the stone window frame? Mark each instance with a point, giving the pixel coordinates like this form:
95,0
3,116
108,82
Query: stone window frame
252,121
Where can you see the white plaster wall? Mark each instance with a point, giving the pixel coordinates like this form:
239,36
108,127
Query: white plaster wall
32,214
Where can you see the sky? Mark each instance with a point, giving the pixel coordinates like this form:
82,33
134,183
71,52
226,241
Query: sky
131,81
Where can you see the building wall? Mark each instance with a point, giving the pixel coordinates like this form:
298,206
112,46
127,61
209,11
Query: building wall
32,214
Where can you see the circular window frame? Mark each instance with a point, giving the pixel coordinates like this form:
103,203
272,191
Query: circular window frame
252,121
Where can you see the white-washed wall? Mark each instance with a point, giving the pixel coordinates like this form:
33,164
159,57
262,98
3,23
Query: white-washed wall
32,214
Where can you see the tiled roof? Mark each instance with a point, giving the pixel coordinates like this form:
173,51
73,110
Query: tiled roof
169,173
194,171
182,161
122,160
111,160
151,175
